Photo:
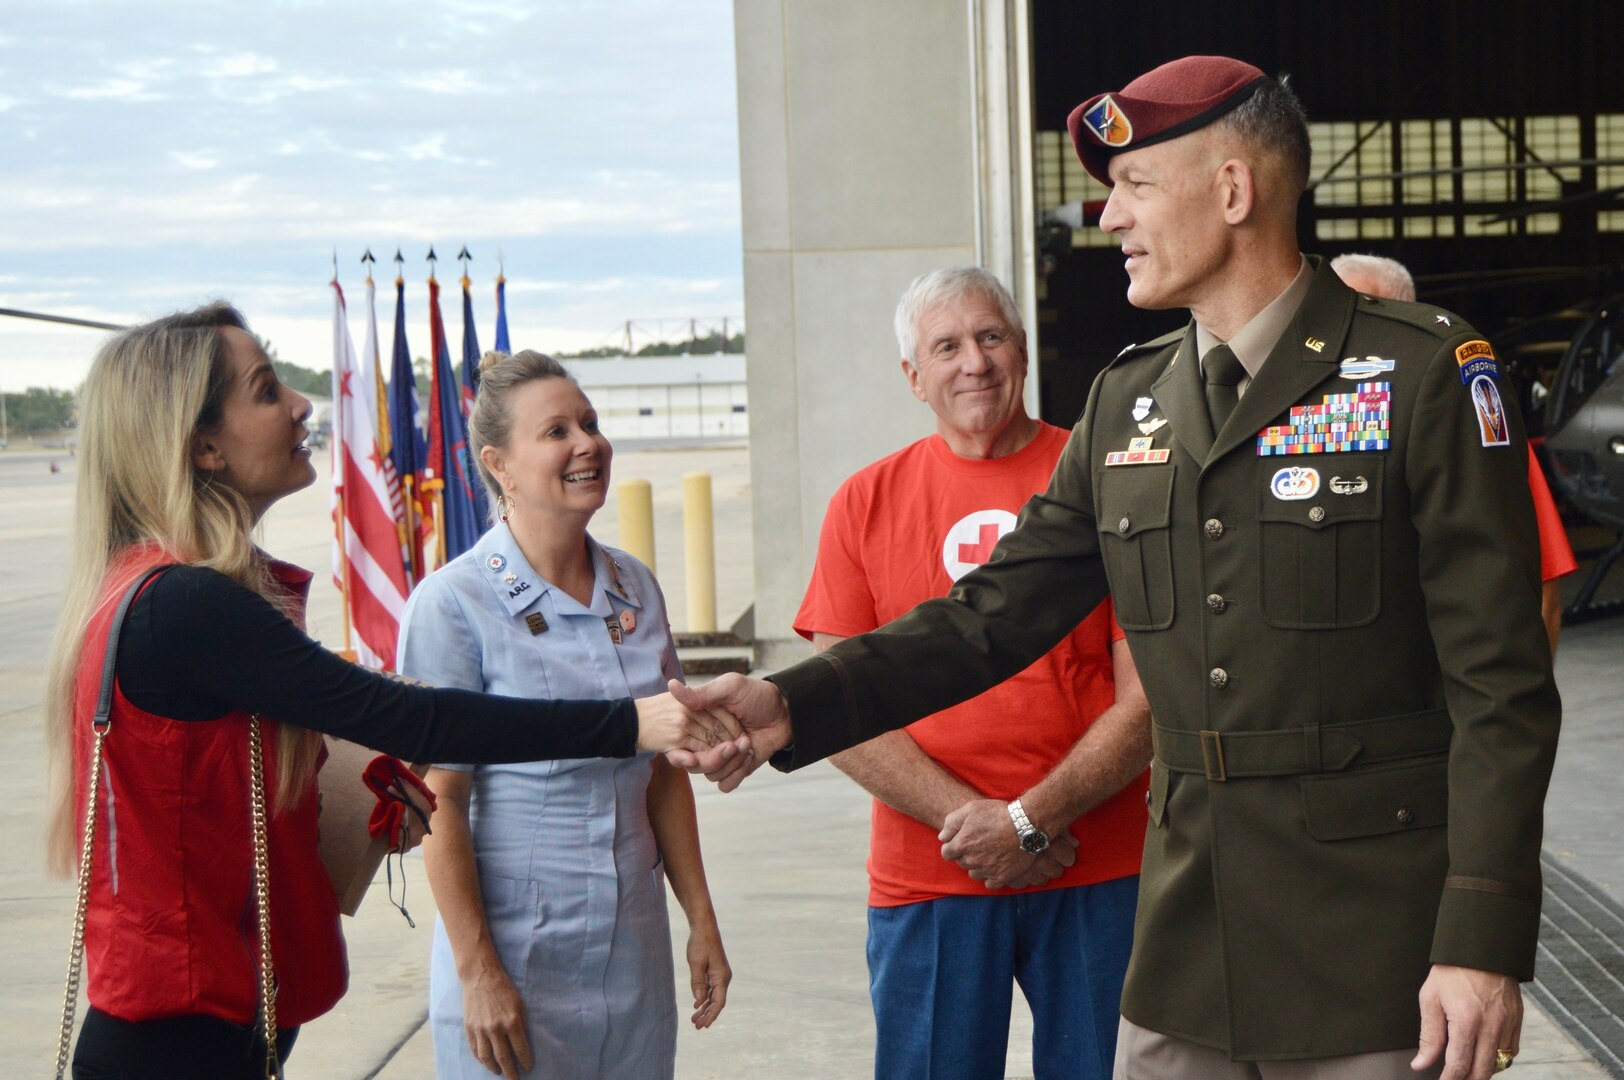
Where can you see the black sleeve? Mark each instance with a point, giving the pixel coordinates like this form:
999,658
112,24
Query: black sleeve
197,646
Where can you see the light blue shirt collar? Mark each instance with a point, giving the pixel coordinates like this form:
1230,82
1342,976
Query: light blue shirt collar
517,585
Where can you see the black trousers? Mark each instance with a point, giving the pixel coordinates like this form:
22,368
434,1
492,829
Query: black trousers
175,1048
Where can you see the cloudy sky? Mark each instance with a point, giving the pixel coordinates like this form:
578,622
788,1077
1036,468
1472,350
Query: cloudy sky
155,155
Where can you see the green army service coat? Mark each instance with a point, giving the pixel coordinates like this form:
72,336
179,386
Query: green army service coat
1355,719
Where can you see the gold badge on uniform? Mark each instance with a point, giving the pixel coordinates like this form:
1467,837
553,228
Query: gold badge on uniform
536,623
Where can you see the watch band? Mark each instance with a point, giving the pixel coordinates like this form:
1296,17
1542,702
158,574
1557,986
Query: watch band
1017,814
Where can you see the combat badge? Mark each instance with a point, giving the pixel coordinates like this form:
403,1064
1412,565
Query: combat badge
1150,426
1357,486
1368,368
1141,408
1295,482
1491,412
1476,358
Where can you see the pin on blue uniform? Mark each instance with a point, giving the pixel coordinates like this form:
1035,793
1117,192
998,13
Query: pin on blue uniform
573,889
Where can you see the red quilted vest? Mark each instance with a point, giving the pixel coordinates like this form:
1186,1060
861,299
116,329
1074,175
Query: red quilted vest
171,927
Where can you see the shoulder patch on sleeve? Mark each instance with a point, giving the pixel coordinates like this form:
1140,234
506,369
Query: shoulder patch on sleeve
1475,358
1491,412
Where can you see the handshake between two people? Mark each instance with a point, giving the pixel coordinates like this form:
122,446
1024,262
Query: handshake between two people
725,729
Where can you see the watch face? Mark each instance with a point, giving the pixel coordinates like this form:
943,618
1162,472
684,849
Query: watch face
1034,842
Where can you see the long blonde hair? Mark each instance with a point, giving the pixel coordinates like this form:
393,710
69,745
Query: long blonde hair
151,390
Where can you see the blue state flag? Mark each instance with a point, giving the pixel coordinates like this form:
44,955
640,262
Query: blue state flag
451,464
407,448
501,315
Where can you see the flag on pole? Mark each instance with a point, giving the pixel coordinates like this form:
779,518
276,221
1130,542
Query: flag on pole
449,473
377,406
371,570
406,446
470,350
501,315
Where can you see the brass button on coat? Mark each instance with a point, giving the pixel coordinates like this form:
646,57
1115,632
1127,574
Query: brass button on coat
1404,815
1316,513
1218,677
1214,527
1217,604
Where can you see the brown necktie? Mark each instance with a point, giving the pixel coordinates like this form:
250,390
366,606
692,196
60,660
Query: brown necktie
1223,372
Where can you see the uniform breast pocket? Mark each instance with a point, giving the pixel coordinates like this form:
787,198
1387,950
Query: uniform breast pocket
1320,541
1135,512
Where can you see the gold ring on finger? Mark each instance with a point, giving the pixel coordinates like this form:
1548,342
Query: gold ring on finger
1502,1060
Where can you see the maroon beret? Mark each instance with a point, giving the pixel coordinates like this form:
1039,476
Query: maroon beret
1175,99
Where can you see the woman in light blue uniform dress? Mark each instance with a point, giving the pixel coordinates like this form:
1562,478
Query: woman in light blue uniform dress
552,950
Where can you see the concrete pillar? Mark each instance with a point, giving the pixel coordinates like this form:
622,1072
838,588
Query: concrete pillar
858,172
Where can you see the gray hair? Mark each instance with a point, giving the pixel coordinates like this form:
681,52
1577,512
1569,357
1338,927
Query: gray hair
1389,276
940,286
1273,119
490,422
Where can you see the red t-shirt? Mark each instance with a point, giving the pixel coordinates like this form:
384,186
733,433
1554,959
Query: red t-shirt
901,531
1555,553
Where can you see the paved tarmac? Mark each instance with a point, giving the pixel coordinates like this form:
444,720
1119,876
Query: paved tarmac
785,853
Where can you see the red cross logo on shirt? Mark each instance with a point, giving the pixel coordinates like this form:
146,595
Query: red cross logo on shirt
980,551
970,540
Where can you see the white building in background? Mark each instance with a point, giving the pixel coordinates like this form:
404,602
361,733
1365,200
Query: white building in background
667,397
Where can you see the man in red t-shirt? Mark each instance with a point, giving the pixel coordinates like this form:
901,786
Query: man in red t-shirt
1378,275
1007,830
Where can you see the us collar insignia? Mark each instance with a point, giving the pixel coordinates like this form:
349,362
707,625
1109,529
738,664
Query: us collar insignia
1339,423
1314,343
1368,368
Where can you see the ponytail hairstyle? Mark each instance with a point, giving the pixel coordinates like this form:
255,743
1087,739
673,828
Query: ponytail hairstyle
151,391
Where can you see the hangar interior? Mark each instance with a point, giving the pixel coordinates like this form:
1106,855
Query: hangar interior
1481,144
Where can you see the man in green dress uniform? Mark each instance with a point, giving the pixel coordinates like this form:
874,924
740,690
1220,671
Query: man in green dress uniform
1312,512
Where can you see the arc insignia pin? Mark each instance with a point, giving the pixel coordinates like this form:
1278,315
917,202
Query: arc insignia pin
496,563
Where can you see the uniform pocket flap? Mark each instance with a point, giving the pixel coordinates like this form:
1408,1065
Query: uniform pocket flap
1333,489
1135,499
1370,802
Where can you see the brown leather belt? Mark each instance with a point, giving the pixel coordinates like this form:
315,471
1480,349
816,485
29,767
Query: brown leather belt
1311,748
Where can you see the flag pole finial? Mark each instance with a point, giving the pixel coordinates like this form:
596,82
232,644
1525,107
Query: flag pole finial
335,266
501,266
433,258
368,259
464,258
400,267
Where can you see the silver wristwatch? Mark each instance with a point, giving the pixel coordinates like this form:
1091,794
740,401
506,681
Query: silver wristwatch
1034,841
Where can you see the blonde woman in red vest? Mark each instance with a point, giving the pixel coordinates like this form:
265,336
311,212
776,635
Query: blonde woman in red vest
187,438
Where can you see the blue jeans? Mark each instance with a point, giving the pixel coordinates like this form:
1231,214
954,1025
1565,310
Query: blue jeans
941,975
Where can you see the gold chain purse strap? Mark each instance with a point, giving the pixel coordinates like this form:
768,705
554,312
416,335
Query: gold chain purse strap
101,725
262,897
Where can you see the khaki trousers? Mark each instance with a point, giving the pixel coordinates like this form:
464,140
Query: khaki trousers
1148,1055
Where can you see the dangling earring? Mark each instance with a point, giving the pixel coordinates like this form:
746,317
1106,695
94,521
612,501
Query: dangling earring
504,506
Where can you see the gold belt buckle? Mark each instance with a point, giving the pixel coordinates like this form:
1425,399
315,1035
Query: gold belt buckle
1212,756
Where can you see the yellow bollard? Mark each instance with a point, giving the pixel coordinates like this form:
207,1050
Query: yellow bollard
636,507
699,538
